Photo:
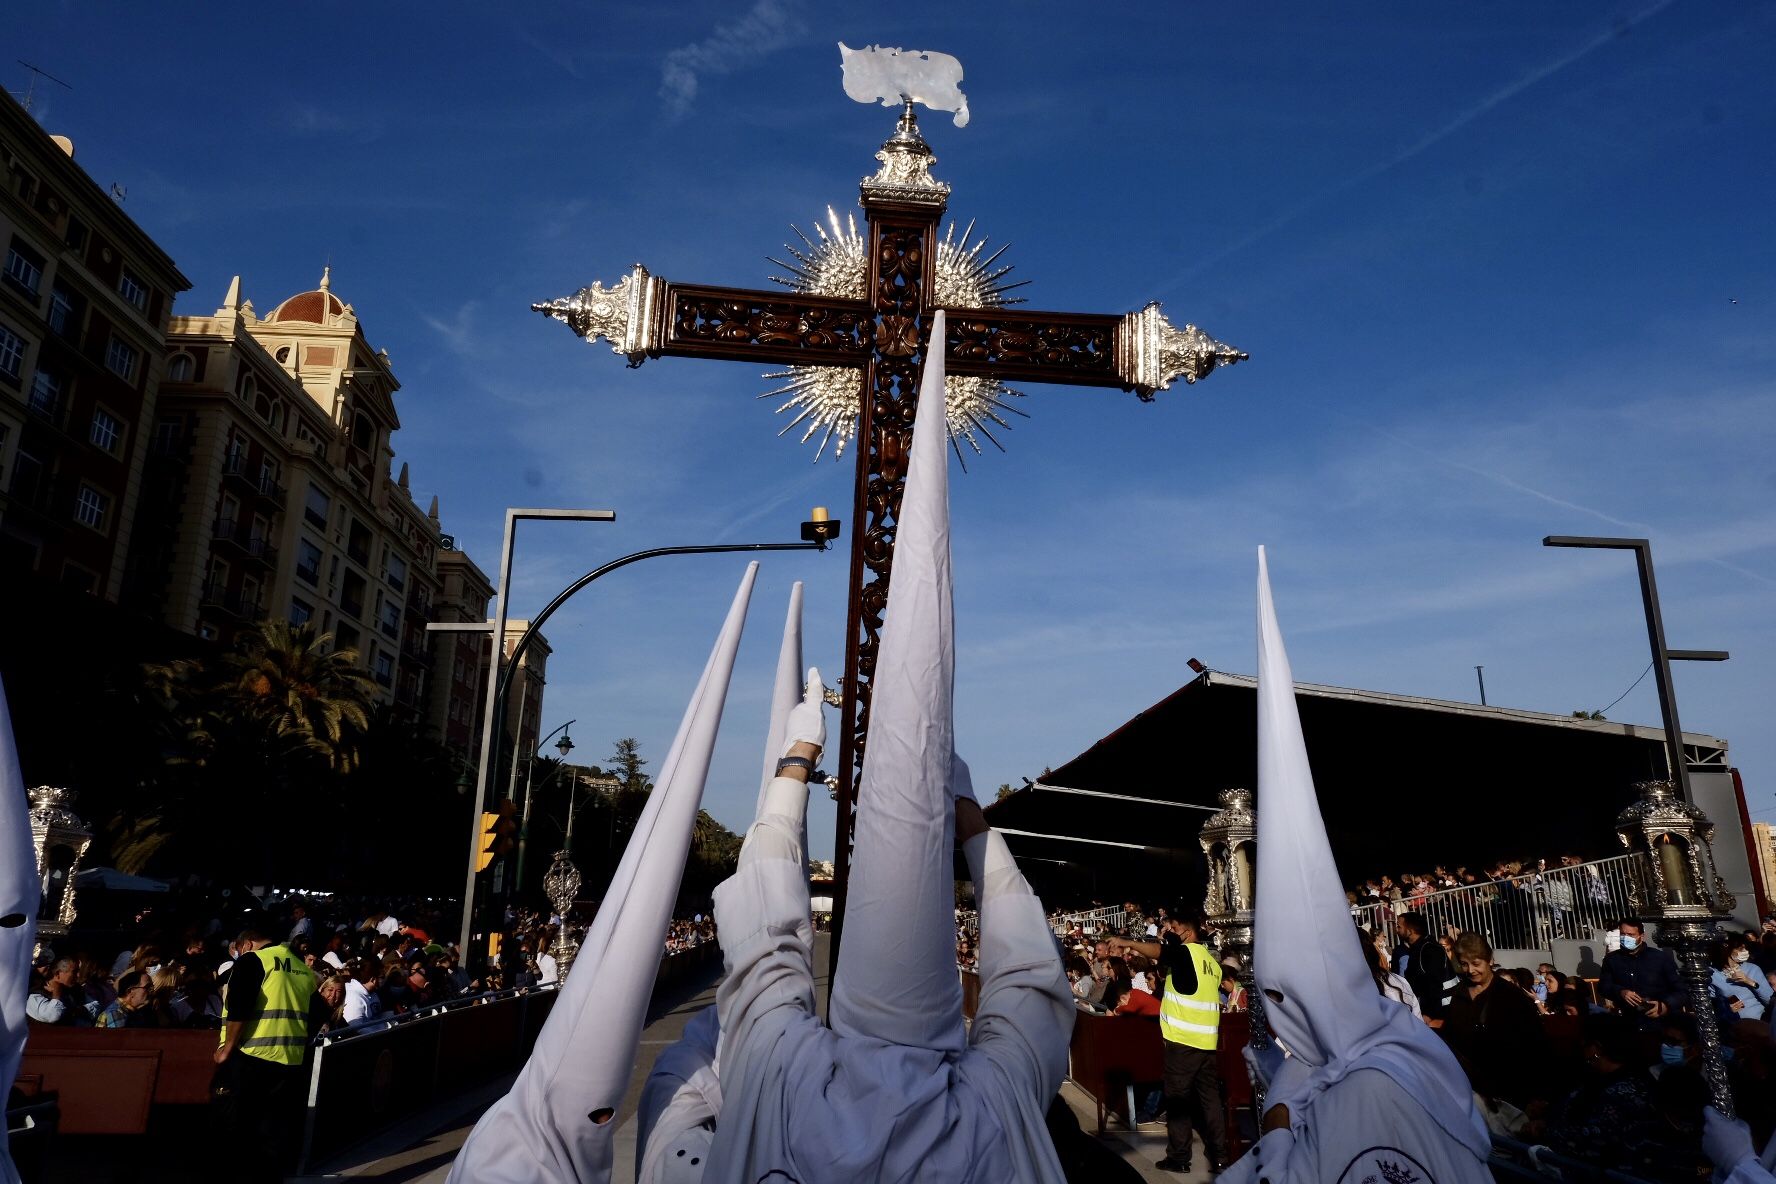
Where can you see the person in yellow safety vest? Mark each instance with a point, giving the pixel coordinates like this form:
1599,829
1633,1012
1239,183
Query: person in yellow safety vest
270,1011
1190,1022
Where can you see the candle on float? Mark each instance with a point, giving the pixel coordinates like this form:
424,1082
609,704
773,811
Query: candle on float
1675,864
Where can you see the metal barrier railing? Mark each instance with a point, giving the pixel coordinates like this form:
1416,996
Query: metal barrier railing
1524,912
1093,920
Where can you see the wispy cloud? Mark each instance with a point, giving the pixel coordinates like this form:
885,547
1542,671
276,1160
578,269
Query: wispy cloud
768,26
461,333
1424,143
309,120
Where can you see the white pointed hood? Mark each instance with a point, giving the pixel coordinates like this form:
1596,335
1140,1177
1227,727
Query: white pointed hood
896,978
786,690
1320,999
20,891
548,1127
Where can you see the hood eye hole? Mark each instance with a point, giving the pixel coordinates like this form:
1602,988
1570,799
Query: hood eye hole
1273,995
12,920
601,1115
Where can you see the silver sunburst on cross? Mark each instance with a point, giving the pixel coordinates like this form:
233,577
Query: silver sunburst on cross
826,398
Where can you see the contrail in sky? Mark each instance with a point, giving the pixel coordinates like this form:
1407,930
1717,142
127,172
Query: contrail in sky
1424,143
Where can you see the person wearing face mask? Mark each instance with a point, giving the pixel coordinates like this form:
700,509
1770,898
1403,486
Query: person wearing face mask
1640,979
1741,991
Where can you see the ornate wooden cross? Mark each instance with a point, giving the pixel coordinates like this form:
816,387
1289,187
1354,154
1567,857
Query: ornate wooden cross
882,336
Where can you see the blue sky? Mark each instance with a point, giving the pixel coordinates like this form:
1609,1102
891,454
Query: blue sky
1504,270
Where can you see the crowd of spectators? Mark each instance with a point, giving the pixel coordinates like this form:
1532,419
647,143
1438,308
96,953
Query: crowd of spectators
1516,902
1604,1068
373,961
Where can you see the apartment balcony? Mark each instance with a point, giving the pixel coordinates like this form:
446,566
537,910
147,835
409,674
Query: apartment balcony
52,410
259,484
241,539
218,598
416,651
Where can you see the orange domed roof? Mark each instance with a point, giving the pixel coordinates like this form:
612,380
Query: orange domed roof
317,307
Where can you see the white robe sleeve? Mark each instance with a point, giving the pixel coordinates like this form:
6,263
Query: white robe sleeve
1024,1021
1018,1042
761,912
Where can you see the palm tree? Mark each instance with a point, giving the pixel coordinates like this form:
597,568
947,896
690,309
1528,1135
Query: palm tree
306,693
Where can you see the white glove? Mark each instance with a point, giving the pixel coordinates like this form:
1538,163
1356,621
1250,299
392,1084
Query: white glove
961,781
806,723
1726,1141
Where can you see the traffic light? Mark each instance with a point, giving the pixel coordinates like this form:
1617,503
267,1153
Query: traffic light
497,828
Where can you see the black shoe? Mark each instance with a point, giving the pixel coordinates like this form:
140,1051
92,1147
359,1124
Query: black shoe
1168,1164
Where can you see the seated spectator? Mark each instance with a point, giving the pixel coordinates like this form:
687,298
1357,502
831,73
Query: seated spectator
1392,985
1741,992
40,1006
1133,1002
1607,1122
163,995
62,986
1493,1027
1641,980
1086,989
1562,997
361,1005
331,991
133,1008
1233,992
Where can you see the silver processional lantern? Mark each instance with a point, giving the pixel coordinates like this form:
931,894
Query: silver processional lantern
1677,889
1229,841
60,838
561,884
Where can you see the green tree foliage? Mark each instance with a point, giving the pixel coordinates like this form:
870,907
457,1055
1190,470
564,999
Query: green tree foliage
273,763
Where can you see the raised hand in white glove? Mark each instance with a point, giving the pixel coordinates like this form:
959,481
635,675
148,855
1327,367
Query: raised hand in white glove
806,723
1726,1141
961,781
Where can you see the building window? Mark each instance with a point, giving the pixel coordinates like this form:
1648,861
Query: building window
318,506
346,637
357,543
391,618
46,395
76,236
24,267
308,562
301,611
107,432
363,432
181,368
62,312
91,507
397,572
78,579
169,436
12,352
5,435
132,289
121,358
384,665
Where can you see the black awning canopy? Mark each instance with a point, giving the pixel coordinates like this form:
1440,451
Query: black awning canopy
1404,784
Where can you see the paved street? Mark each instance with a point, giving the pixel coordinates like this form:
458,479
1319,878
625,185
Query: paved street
420,1150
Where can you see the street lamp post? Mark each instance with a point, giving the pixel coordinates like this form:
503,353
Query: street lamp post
817,534
563,746
1662,655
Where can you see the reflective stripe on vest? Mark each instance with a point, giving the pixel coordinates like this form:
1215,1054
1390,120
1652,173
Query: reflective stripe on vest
1194,1020
279,1032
